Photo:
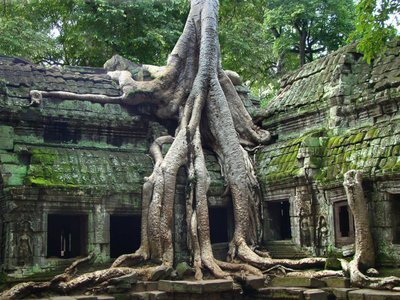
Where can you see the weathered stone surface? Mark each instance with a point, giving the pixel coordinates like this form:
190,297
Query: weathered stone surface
152,295
281,293
336,282
368,294
341,293
297,282
196,287
88,158
253,282
105,297
315,294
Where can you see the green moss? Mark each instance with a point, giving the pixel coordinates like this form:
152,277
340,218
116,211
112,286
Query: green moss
333,263
48,183
371,133
358,138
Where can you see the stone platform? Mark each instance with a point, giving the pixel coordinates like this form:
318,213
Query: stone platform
251,287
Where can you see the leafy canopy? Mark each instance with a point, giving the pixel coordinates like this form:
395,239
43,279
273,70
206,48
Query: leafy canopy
375,25
88,32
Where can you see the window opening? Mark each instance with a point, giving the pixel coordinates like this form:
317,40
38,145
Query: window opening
66,235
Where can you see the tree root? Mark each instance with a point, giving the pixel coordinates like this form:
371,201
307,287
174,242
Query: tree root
364,246
193,89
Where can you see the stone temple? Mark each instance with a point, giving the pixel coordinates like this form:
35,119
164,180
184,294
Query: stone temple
71,171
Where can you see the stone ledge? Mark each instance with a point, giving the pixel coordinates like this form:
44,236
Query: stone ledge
305,282
281,293
315,294
196,287
336,282
368,294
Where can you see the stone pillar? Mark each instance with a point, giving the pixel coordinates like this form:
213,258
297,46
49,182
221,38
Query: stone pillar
302,218
99,232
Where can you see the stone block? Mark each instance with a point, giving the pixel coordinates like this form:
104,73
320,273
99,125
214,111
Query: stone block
105,297
341,293
315,294
62,298
190,287
297,282
281,293
217,285
138,287
6,137
196,287
166,285
368,294
254,282
151,295
151,285
85,297
138,296
157,295
336,282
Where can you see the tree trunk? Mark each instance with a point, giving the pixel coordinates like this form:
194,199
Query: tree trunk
194,89
302,32
364,256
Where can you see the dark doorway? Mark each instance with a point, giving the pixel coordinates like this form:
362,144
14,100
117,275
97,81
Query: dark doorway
66,235
61,133
395,218
218,217
279,217
124,234
344,224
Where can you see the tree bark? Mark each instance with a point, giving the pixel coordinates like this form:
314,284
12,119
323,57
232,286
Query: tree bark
193,89
364,256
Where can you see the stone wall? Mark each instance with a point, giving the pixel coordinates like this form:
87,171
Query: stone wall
74,159
333,115
86,161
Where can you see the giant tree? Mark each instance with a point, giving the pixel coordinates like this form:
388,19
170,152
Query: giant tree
193,89
309,28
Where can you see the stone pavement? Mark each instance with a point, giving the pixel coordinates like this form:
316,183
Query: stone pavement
251,287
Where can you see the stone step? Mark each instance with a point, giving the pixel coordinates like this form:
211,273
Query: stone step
284,249
304,282
145,286
77,297
280,293
290,293
336,282
368,294
152,295
196,287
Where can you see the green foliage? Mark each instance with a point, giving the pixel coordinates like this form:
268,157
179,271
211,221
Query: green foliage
88,32
309,28
261,40
375,25
247,46
23,38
